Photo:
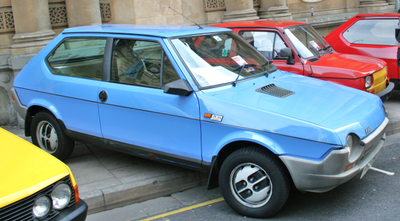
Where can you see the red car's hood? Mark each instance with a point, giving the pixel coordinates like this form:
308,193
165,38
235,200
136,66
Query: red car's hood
338,65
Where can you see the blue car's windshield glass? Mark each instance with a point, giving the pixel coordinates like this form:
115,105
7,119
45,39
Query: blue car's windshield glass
216,59
307,41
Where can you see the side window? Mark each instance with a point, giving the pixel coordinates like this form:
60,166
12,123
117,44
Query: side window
278,46
268,44
78,57
376,31
142,63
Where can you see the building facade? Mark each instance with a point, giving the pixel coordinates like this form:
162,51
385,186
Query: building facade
26,26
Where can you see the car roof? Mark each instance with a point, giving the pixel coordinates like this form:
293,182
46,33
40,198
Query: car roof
386,15
264,23
149,30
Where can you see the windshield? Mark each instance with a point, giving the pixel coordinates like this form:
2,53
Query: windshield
221,58
307,41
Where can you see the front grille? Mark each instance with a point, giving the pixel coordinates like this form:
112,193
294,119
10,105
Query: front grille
274,90
380,79
22,209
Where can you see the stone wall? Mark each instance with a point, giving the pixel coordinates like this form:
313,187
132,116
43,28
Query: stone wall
26,26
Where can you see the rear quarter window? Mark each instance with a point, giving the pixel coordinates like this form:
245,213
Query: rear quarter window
78,57
374,32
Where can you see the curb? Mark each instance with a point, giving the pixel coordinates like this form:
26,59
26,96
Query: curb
393,126
139,191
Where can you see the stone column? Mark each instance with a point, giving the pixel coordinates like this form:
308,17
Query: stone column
270,9
391,2
32,26
32,32
239,10
83,12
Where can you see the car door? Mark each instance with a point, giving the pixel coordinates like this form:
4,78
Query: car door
270,43
76,65
135,113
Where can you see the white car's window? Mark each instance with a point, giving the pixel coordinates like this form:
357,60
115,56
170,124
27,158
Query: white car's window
220,58
375,32
78,57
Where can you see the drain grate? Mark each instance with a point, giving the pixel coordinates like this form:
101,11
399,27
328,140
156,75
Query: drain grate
274,90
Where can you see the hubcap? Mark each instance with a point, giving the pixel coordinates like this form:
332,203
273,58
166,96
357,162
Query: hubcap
250,185
47,136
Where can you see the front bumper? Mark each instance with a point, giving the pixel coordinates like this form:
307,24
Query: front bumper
77,212
385,94
322,176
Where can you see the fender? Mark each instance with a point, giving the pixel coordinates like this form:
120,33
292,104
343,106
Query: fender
279,145
46,104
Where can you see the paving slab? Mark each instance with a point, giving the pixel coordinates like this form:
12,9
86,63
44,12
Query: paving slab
108,179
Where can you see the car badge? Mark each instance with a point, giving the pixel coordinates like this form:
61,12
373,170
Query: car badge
214,117
367,130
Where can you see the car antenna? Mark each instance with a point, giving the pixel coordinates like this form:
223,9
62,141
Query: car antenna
186,17
267,9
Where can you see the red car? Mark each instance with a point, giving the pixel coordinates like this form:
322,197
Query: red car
372,35
298,48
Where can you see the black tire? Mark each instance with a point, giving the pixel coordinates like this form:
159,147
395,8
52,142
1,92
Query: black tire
254,182
47,134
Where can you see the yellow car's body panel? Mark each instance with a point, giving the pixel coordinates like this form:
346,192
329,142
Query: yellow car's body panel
26,169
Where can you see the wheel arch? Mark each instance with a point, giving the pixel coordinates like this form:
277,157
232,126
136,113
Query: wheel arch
31,112
228,149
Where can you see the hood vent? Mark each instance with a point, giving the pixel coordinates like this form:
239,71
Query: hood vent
274,90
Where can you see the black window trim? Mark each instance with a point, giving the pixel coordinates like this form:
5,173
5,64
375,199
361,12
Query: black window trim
48,64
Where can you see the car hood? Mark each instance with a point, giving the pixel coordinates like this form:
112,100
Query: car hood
25,168
338,65
318,110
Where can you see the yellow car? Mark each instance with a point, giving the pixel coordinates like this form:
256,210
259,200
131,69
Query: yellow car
34,185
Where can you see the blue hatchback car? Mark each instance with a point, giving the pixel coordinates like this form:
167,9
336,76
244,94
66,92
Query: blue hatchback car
201,98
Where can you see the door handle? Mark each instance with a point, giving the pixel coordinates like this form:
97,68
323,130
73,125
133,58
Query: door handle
103,96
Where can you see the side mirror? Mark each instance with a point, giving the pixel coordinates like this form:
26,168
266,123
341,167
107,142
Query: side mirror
287,53
178,87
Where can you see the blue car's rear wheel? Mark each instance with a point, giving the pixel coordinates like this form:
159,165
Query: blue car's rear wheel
254,182
47,134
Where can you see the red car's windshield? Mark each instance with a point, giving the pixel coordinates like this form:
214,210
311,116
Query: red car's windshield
307,41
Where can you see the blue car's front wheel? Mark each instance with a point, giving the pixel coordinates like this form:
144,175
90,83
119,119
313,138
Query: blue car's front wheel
254,182
47,134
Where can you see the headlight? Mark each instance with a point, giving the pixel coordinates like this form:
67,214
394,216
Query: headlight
354,147
41,207
349,144
61,196
368,81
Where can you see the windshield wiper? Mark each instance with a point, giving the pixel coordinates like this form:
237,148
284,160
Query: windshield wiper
267,63
241,69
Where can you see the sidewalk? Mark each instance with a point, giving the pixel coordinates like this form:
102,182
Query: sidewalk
109,179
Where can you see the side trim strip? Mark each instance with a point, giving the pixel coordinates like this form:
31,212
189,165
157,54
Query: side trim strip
135,150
